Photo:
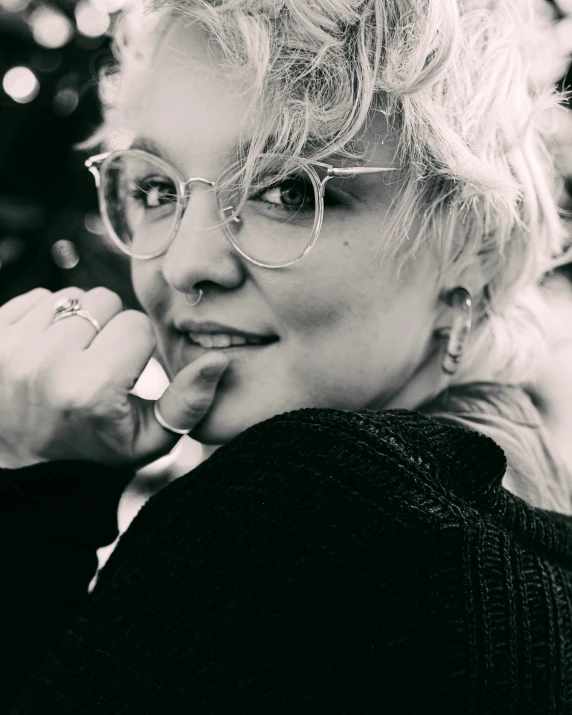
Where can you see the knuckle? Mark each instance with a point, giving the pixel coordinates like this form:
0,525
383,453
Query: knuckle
70,292
136,316
41,292
138,321
197,407
107,297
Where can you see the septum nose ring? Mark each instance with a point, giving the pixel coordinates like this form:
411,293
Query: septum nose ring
197,301
236,219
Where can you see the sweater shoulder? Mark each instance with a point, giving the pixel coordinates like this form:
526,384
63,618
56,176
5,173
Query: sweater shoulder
346,472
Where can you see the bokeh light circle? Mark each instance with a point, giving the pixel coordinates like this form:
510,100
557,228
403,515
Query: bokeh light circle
50,27
14,5
64,254
109,6
65,101
21,84
91,21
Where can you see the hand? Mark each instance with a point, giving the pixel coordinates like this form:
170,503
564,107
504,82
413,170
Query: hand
64,389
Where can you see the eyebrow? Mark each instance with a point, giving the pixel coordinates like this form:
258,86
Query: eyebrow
147,144
362,187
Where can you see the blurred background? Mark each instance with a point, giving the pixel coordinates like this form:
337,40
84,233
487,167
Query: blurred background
50,233
51,53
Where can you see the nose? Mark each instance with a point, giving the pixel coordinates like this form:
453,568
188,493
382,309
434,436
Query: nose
201,252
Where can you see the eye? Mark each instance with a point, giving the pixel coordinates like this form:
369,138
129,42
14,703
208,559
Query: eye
153,192
295,193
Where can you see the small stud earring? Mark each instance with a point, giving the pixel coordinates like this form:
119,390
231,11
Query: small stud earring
461,302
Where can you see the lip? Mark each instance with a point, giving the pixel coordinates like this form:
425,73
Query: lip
195,351
210,327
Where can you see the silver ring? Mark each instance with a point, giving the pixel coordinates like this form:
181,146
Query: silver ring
66,307
198,300
166,425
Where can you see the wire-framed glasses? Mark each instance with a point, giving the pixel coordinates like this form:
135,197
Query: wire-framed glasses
272,220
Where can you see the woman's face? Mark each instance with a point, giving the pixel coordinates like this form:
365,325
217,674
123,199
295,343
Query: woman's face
349,333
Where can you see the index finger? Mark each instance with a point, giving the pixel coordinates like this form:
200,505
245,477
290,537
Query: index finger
15,309
124,346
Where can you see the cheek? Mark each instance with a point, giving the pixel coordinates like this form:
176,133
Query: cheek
318,295
361,319
150,289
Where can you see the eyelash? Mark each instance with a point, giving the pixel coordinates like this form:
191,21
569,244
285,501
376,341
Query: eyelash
329,200
138,193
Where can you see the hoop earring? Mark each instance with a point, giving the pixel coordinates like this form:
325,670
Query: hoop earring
461,302
197,301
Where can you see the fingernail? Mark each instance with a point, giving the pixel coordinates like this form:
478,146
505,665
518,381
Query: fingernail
211,372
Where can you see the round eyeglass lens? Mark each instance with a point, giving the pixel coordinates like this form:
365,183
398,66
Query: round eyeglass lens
276,222
140,202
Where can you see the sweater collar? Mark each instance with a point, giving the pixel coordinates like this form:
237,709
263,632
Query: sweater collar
467,462
449,458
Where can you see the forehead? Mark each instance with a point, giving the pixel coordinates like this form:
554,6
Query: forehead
196,110
190,106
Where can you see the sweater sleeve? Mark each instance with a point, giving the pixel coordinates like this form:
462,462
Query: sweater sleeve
295,571
53,518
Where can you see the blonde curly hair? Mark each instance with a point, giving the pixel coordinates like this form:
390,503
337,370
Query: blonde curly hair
459,84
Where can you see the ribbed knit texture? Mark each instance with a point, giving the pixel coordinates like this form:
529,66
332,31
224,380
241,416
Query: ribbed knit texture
327,562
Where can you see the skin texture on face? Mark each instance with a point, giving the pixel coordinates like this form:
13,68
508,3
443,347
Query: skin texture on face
351,333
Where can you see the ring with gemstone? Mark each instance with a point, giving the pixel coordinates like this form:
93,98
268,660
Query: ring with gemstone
66,307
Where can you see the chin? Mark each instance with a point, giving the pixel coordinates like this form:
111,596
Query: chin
234,410
221,426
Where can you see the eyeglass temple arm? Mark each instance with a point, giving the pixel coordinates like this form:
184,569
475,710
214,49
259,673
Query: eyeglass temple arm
348,171
92,163
352,171
97,159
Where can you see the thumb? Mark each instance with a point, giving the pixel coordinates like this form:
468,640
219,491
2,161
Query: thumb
183,405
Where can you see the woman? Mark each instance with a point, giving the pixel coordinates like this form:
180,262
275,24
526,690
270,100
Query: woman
338,216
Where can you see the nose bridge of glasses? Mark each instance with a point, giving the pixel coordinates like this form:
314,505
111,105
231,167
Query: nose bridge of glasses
236,221
196,180
186,186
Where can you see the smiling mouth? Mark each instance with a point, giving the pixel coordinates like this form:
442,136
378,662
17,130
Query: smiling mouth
229,342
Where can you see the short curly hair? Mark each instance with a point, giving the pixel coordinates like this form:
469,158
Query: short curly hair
456,81
458,86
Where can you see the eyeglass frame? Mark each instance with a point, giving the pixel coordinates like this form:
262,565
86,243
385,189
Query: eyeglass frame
95,164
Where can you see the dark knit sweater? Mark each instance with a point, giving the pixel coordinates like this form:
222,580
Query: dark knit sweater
323,562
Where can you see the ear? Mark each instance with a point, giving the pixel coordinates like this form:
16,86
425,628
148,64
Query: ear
474,276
